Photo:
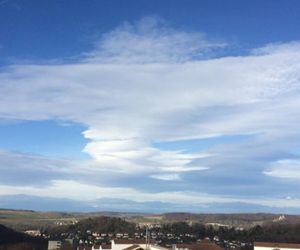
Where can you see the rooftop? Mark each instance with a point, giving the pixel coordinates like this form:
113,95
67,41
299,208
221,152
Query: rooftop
276,245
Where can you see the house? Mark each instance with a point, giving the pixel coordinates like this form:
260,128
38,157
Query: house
134,247
54,245
205,244
135,244
101,247
33,232
275,246
121,244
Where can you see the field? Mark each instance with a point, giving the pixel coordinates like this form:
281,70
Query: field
25,219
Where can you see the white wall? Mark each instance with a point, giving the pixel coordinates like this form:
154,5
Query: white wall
54,245
273,248
123,246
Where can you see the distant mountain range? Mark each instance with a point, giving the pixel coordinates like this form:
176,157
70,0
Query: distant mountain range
122,205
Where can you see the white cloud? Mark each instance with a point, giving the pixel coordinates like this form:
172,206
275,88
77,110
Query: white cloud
166,177
150,41
277,48
142,84
289,169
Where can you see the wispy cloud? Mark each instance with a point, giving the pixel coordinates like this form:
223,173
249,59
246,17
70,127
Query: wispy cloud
166,177
289,169
146,83
151,41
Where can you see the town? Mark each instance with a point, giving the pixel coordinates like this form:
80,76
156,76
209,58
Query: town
118,234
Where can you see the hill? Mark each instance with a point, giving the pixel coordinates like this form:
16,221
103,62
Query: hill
11,239
245,220
103,224
22,220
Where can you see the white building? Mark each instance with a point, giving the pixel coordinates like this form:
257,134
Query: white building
136,244
54,245
275,246
120,244
205,244
33,232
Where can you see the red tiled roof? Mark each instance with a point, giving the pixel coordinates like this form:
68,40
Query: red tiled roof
133,247
276,245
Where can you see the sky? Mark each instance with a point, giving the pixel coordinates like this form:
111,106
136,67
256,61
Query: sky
150,106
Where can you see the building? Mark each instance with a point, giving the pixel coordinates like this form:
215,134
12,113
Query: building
54,245
205,244
275,246
136,244
121,244
33,232
101,247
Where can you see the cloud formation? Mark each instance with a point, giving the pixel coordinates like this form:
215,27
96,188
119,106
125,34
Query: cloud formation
146,83
151,40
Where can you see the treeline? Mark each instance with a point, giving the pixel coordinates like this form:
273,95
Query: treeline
105,224
12,240
271,232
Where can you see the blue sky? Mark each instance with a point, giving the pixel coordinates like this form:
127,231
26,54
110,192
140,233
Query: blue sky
49,138
156,105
